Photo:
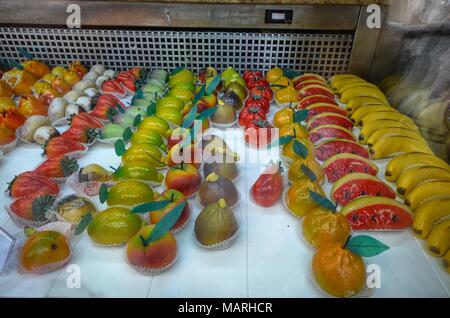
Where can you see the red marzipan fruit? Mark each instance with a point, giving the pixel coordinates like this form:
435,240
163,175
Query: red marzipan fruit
59,146
355,185
84,136
57,167
32,207
309,100
340,165
112,86
377,213
316,109
32,182
104,104
85,121
333,147
329,119
330,131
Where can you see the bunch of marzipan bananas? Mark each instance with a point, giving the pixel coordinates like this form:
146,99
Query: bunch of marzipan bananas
385,130
423,181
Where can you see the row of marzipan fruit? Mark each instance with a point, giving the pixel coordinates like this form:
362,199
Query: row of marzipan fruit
422,179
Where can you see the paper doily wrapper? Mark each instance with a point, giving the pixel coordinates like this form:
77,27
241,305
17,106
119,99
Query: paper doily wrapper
365,292
21,222
19,137
221,245
8,147
74,154
149,270
88,188
282,105
61,227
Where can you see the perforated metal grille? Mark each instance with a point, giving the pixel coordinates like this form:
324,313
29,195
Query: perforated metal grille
325,54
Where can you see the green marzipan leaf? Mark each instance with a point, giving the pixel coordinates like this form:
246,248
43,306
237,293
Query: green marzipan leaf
150,206
119,147
138,94
300,115
207,113
213,85
300,149
137,120
200,94
366,246
127,133
309,173
165,224
177,70
280,142
151,109
190,117
86,219
322,201
291,73
26,54
16,65
120,108
103,193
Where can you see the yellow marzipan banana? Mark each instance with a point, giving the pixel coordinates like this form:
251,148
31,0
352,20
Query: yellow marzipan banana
392,145
339,77
360,85
367,130
338,84
397,131
428,214
438,242
358,101
396,166
367,109
412,177
387,115
428,191
362,91
446,262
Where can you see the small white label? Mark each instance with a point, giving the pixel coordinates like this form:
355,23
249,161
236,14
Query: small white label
278,16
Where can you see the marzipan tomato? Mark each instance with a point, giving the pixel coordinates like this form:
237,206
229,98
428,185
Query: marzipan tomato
265,91
257,83
249,114
268,187
258,101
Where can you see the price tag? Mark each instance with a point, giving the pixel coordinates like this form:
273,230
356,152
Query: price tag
6,247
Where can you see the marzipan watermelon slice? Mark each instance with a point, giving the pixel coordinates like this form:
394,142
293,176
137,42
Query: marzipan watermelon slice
329,119
303,84
342,164
308,77
319,108
357,184
332,147
330,131
377,213
305,102
315,89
